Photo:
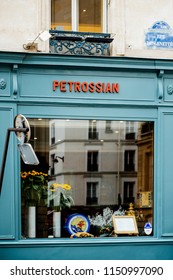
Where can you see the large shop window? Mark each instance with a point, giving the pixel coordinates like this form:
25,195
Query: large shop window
89,170
79,15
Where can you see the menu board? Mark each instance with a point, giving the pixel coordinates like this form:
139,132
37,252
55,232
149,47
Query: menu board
125,225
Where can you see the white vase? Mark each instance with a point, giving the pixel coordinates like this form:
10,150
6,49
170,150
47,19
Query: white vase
31,221
57,224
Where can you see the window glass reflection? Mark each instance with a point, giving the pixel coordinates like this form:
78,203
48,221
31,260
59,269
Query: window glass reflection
87,15
90,15
88,168
61,14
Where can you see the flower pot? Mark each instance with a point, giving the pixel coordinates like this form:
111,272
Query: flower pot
57,224
31,221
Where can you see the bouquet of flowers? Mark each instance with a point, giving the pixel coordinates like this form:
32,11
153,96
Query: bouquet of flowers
34,184
103,223
60,195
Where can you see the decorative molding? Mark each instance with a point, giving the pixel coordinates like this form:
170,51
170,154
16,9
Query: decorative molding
160,84
3,83
7,237
170,89
15,81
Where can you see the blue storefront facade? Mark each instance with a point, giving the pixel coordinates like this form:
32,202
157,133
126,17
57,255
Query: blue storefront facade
61,87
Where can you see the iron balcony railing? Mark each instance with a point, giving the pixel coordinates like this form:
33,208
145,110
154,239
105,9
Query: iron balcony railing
80,43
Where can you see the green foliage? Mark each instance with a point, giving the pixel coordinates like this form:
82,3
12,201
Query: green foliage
34,186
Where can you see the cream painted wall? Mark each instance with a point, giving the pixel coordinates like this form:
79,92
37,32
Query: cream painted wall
130,19
21,21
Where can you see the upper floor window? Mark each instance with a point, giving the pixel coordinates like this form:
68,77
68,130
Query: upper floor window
92,161
129,192
92,131
130,131
108,128
79,15
92,198
129,160
61,14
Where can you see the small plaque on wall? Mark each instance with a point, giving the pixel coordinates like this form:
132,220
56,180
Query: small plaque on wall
125,225
144,199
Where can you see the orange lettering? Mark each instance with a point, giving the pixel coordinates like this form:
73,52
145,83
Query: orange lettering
63,86
84,87
115,87
91,87
103,87
71,86
55,85
98,87
108,88
77,86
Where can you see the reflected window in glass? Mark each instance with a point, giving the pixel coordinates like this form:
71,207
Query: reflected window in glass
82,174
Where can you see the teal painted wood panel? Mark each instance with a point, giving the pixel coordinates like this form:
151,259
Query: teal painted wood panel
86,111
7,211
166,166
38,82
89,251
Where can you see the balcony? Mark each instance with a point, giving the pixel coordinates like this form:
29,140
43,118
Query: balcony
80,43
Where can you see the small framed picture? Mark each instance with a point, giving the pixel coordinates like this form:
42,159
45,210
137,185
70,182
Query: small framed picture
125,225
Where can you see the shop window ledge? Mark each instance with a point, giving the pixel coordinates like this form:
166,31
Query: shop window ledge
80,43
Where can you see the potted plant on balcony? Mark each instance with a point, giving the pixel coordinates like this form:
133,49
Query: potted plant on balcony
33,186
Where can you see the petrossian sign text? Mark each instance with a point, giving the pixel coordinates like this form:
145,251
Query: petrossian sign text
99,87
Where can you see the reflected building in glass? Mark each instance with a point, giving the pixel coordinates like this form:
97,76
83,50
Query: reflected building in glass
106,163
